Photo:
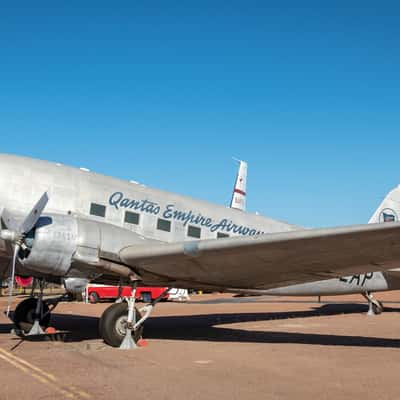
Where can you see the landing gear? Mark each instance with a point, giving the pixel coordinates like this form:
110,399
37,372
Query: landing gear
375,306
121,324
38,315
113,324
32,316
24,315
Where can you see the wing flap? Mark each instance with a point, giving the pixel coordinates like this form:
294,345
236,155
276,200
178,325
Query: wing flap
270,260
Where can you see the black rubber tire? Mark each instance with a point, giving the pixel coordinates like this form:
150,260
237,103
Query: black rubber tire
24,315
107,324
94,298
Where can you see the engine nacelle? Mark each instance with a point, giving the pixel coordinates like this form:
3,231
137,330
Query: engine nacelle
59,242
52,244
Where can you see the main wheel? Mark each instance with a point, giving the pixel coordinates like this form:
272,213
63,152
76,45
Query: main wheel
112,324
24,314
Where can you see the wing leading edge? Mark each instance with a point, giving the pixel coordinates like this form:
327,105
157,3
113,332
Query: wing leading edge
269,260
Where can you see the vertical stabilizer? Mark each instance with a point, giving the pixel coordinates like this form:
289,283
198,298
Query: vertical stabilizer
239,192
389,209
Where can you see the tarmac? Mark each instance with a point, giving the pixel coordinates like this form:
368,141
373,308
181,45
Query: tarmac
214,347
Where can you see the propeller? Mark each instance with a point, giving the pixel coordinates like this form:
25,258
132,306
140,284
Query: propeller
15,234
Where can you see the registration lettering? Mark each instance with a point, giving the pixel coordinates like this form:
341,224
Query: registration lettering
358,280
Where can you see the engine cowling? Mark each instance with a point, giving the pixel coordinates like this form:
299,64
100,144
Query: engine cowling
59,242
52,244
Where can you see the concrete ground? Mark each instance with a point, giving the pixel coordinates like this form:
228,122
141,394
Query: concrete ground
215,347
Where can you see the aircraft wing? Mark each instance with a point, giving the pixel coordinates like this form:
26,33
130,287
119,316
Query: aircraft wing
270,260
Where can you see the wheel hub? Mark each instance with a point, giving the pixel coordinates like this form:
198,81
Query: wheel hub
121,324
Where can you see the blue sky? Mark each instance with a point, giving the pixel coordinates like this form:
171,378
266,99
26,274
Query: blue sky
167,92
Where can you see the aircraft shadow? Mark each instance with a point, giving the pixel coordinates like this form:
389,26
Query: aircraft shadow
207,327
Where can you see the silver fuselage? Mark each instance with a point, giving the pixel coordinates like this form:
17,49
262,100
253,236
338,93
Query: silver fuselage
73,191
370,282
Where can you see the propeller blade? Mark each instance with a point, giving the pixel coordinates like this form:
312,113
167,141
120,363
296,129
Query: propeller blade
33,217
11,290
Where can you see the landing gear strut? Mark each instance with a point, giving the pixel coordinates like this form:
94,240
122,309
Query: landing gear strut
121,324
375,306
119,299
38,315
32,315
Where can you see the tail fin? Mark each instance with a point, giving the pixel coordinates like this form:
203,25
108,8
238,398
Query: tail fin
389,209
239,192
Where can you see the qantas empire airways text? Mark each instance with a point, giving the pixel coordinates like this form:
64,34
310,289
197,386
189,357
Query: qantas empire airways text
118,200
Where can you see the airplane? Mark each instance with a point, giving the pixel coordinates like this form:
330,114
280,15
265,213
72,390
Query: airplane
364,284
69,225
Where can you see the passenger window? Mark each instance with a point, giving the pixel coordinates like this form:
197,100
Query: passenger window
132,218
222,235
163,225
194,231
98,210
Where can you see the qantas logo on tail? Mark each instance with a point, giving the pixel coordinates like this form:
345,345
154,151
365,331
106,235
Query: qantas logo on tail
388,215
